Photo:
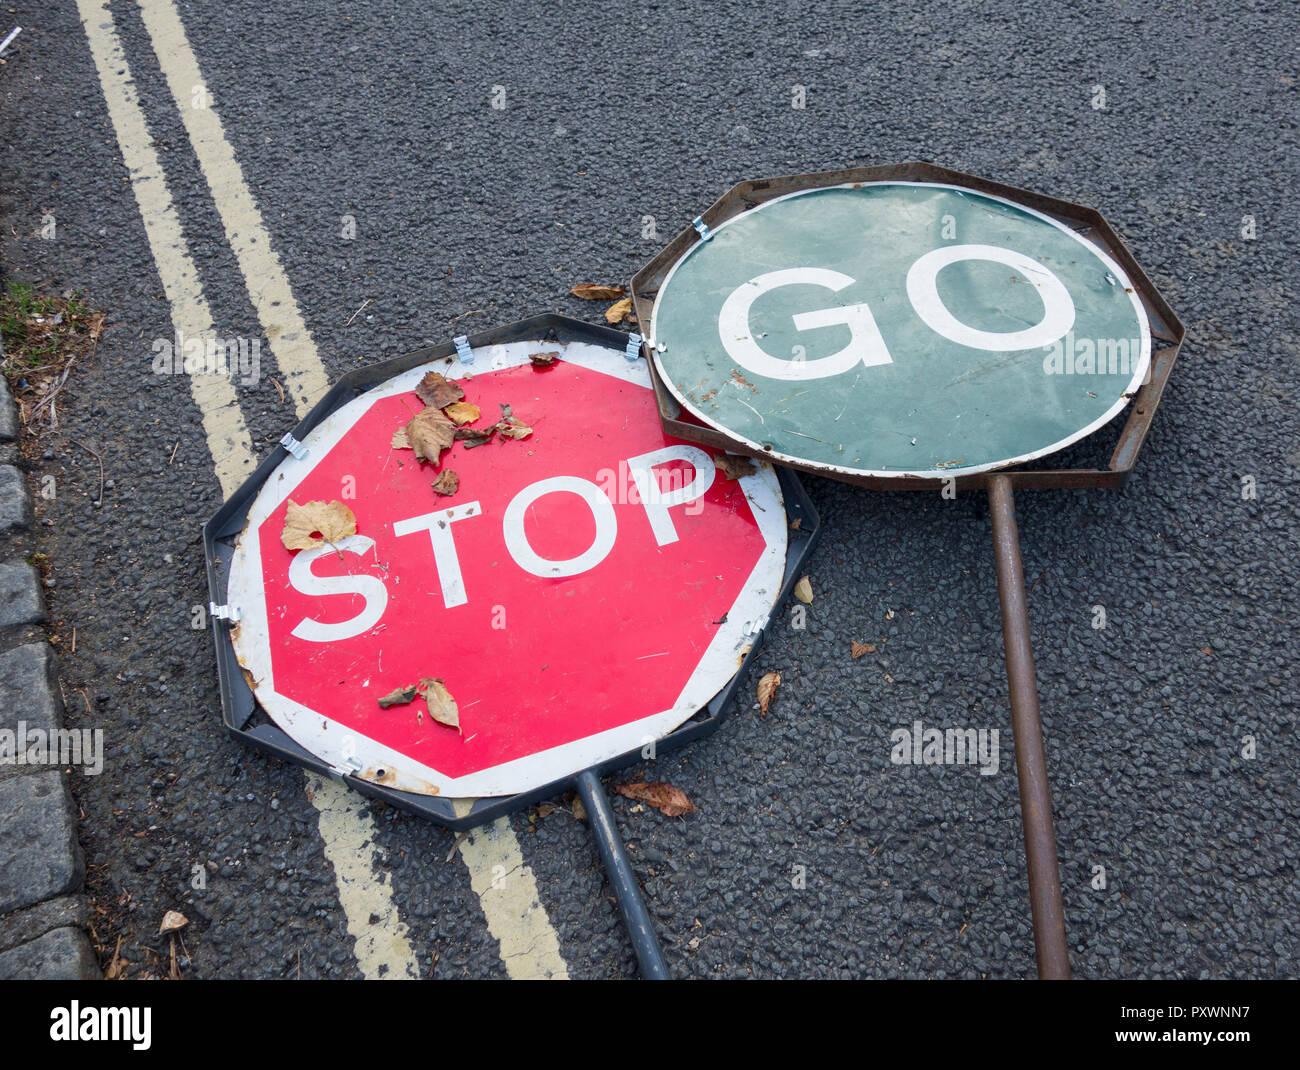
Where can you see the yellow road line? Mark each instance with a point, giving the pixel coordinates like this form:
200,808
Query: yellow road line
287,334
511,904
345,828
223,423
348,830
530,947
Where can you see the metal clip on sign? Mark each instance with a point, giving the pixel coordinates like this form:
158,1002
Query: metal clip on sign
869,413
226,613
293,446
595,412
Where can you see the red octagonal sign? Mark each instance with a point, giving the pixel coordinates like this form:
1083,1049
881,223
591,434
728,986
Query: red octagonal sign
586,589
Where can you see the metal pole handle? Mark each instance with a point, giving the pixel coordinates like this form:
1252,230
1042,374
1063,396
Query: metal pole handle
1027,729
618,867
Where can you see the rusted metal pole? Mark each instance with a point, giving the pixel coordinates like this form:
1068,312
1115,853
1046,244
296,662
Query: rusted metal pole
1027,729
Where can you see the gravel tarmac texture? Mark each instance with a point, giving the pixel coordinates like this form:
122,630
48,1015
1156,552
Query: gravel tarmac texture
469,217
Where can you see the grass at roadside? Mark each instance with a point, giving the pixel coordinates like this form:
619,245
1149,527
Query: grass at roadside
44,337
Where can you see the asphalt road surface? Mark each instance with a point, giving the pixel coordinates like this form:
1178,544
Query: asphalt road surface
1177,121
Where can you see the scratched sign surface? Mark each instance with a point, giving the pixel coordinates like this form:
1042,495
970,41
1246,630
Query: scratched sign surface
900,329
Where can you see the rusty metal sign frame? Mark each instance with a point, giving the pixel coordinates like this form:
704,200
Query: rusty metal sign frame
1167,333
1167,330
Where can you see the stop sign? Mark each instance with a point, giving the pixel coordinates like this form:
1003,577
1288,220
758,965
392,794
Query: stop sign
584,590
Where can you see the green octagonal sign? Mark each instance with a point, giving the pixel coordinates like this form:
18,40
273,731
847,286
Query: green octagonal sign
900,329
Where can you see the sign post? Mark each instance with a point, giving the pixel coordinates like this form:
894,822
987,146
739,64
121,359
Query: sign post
913,328
486,573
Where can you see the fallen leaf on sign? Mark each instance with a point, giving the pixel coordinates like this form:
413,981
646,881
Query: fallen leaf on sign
399,697
619,311
668,800
430,432
593,291
803,591
767,691
442,707
400,441
437,390
448,482
513,428
173,921
473,436
734,467
544,360
309,526
461,412
858,649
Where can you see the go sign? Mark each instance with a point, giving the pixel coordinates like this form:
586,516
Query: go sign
900,329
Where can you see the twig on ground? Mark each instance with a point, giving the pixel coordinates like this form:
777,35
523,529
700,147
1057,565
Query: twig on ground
356,313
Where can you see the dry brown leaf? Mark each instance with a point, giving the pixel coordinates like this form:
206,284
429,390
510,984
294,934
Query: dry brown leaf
437,390
448,482
400,441
579,811
619,311
803,591
545,360
734,467
475,436
430,432
796,523
309,526
767,691
461,412
858,649
442,707
512,427
545,810
116,965
399,697
594,291
173,921
668,800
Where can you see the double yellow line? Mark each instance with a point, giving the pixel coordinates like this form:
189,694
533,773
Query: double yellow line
506,887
